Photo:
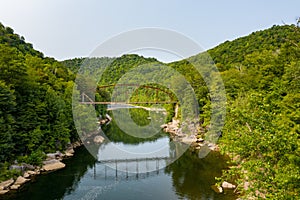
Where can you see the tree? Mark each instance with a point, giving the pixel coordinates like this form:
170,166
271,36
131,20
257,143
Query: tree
7,123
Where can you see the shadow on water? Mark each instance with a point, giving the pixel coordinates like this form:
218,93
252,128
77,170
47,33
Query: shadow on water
56,184
187,178
192,177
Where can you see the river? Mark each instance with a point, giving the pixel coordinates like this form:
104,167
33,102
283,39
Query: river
86,178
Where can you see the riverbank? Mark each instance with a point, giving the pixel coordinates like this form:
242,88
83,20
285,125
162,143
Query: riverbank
195,140
52,163
197,144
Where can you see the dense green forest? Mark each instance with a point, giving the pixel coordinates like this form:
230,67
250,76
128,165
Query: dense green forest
35,98
261,74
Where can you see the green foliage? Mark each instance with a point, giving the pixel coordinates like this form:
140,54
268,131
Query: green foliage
139,116
35,101
7,107
7,36
262,120
6,174
35,158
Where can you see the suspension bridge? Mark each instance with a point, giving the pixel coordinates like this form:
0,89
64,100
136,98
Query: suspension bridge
126,168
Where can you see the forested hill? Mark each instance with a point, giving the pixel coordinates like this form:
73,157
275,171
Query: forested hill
35,103
261,73
232,53
8,37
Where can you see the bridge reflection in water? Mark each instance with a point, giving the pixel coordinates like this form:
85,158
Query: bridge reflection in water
128,168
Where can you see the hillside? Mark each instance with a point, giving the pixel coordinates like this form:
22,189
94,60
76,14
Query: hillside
234,53
261,133
35,99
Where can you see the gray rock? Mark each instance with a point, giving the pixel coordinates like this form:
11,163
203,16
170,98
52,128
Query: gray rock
46,162
51,155
28,166
227,185
17,167
55,155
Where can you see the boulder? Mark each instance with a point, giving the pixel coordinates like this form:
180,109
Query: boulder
6,184
55,155
69,152
188,140
200,140
3,191
28,166
21,180
15,187
51,155
31,173
17,167
217,189
98,139
181,135
227,185
76,144
53,166
26,175
50,161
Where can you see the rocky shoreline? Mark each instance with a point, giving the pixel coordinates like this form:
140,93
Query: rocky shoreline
195,140
52,162
196,143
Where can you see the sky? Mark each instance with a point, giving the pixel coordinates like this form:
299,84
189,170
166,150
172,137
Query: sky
66,29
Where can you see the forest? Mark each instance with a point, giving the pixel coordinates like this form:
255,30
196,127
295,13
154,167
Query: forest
261,74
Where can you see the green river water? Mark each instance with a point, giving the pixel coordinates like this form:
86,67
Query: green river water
84,178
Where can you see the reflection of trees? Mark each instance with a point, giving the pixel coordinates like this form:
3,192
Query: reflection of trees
192,177
56,184
177,149
115,134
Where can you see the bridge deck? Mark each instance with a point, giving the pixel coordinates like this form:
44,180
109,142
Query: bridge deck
126,103
133,160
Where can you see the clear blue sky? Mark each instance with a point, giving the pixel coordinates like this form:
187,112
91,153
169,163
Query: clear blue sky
74,28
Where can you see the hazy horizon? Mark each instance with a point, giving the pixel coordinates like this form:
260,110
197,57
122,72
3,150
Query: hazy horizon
69,29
